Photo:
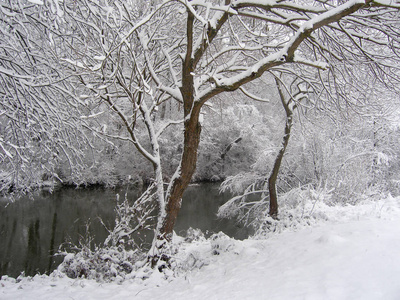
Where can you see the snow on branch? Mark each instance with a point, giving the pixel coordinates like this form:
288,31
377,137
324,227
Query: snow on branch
269,4
277,20
189,6
140,24
7,153
252,96
166,125
285,54
173,92
12,73
211,6
316,64
387,3
251,72
74,63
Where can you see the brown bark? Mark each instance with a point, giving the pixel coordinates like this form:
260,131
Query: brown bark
192,130
192,127
273,196
187,168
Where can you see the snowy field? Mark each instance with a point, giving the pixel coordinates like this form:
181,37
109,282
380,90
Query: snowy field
353,254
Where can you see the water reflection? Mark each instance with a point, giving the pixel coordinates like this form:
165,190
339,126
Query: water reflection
31,231
199,207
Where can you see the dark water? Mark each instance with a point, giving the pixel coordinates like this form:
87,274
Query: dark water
31,231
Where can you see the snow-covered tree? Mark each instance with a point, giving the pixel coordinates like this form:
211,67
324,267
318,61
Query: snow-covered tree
134,56
218,46
340,156
40,128
262,180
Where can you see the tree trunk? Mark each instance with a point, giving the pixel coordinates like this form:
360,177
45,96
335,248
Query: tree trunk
184,173
273,196
192,130
183,176
177,187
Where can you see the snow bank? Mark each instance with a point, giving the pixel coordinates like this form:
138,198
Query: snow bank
352,255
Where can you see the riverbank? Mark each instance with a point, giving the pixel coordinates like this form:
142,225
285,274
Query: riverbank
33,229
351,254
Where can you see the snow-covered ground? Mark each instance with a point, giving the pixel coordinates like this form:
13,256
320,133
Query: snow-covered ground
355,254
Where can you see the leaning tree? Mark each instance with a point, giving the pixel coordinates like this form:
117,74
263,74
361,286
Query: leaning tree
133,56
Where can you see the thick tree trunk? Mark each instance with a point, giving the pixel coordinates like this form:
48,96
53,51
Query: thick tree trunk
175,192
184,173
183,176
177,187
192,130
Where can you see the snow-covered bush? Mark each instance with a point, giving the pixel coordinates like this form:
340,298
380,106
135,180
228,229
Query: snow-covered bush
121,254
108,262
221,243
102,263
131,219
231,139
195,251
299,207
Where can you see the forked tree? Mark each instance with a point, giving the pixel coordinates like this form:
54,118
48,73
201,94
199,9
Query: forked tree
217,47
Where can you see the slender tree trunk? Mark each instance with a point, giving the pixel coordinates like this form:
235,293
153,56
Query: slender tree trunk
273,196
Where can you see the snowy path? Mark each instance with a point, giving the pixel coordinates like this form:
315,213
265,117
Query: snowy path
352,260
357,260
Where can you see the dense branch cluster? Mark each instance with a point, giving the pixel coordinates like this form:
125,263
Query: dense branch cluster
39,111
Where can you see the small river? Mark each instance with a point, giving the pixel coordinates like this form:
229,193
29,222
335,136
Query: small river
32,230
